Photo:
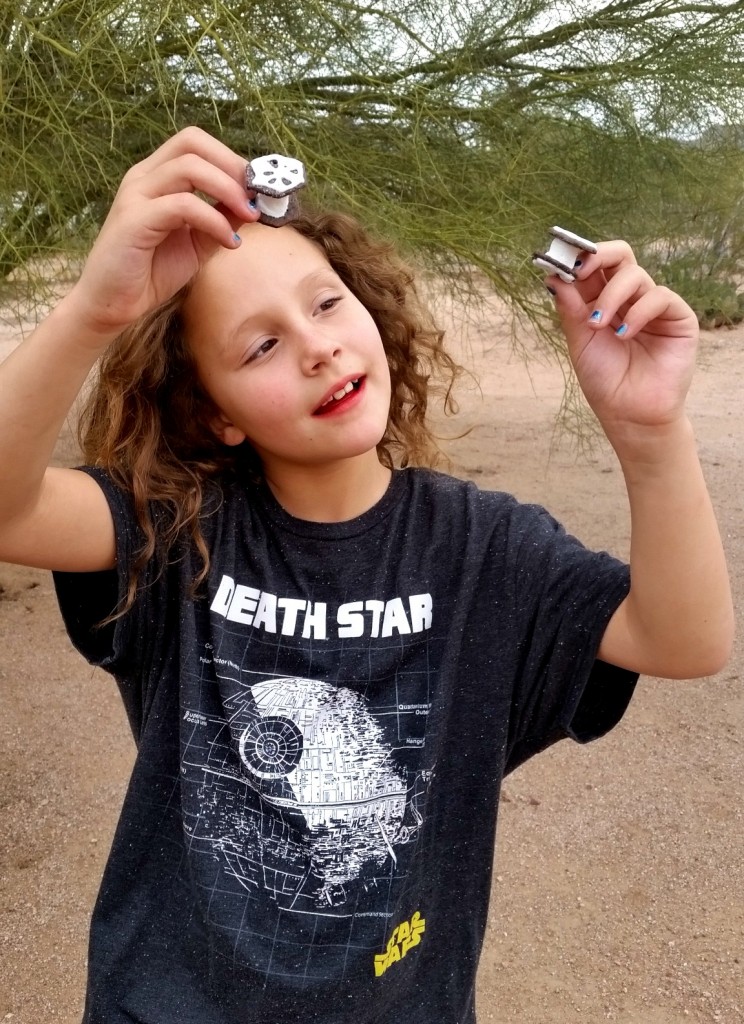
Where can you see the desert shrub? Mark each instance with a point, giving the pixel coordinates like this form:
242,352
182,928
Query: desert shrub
715,299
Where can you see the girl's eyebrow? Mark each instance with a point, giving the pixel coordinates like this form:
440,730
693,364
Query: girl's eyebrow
321,276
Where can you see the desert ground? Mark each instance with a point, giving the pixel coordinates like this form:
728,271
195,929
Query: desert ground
619,873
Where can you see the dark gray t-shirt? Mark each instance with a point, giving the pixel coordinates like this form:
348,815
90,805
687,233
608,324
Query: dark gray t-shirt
308,832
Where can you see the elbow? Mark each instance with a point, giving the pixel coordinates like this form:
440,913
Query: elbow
682,646
720,652
707,657
719,657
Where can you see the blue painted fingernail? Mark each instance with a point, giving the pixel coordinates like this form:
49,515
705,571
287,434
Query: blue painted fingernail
237,239
596,316
253,204
621,330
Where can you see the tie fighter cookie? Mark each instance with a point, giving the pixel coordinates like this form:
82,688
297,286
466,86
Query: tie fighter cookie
561,256
275,179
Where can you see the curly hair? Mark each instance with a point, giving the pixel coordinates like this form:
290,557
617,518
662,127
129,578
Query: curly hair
146,420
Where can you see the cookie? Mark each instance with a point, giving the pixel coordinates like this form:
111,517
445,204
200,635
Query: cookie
275,179
561,256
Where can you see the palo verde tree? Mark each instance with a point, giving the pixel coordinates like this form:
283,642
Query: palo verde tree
462,128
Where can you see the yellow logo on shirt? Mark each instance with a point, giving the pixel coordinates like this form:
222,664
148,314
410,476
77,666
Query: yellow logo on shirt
404,937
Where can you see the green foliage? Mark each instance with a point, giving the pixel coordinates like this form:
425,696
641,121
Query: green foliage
715,300
693,237
461,128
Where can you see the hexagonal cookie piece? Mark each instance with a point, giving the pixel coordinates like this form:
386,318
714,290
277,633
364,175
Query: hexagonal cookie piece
275,179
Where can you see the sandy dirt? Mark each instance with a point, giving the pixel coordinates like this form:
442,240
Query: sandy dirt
617,890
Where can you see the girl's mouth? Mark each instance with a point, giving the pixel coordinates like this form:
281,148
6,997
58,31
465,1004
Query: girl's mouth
341,398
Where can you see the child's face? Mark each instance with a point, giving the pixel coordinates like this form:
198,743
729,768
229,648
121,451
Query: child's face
275,334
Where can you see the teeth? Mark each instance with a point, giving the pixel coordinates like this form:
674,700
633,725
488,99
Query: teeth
338,395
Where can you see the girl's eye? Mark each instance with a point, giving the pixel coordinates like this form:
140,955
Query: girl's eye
262,349
328,304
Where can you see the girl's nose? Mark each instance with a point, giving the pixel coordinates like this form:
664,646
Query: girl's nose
318,349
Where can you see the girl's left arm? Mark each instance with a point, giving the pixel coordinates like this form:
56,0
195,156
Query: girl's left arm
633,344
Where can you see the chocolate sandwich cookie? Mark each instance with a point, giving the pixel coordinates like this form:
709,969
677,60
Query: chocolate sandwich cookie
560,258
275,179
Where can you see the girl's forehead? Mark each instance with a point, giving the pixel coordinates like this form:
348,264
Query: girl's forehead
263,247
266,256
269,264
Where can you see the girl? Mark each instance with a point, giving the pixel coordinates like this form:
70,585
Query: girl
328,662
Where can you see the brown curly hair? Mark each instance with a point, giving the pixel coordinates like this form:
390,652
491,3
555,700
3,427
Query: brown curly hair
146,421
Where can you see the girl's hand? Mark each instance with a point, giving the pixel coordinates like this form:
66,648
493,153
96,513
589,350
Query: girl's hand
631,341
158,232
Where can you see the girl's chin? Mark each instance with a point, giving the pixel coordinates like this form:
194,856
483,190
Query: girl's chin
347,454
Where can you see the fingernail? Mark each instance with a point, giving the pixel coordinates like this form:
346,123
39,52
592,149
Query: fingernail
621,330
551,290
596,316
579,263
253,204
237,239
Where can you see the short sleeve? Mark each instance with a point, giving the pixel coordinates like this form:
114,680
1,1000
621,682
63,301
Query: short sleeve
87,599
563,598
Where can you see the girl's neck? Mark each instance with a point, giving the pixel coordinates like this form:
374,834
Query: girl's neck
331,493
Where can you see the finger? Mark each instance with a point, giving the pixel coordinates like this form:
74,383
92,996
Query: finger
594,270
235,221
569,303
190,173
658,311
187,173
597,300
628,284
192,140
608,260
166,214
189,161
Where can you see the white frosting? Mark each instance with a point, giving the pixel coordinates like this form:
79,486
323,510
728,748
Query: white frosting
272,207
563,252
569,278
277,173
564,249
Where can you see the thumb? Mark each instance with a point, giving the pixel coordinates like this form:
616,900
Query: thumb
570,306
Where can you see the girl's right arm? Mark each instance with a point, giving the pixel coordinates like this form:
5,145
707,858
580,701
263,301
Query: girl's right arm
155,238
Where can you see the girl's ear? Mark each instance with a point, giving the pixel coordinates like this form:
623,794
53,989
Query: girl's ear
225,430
